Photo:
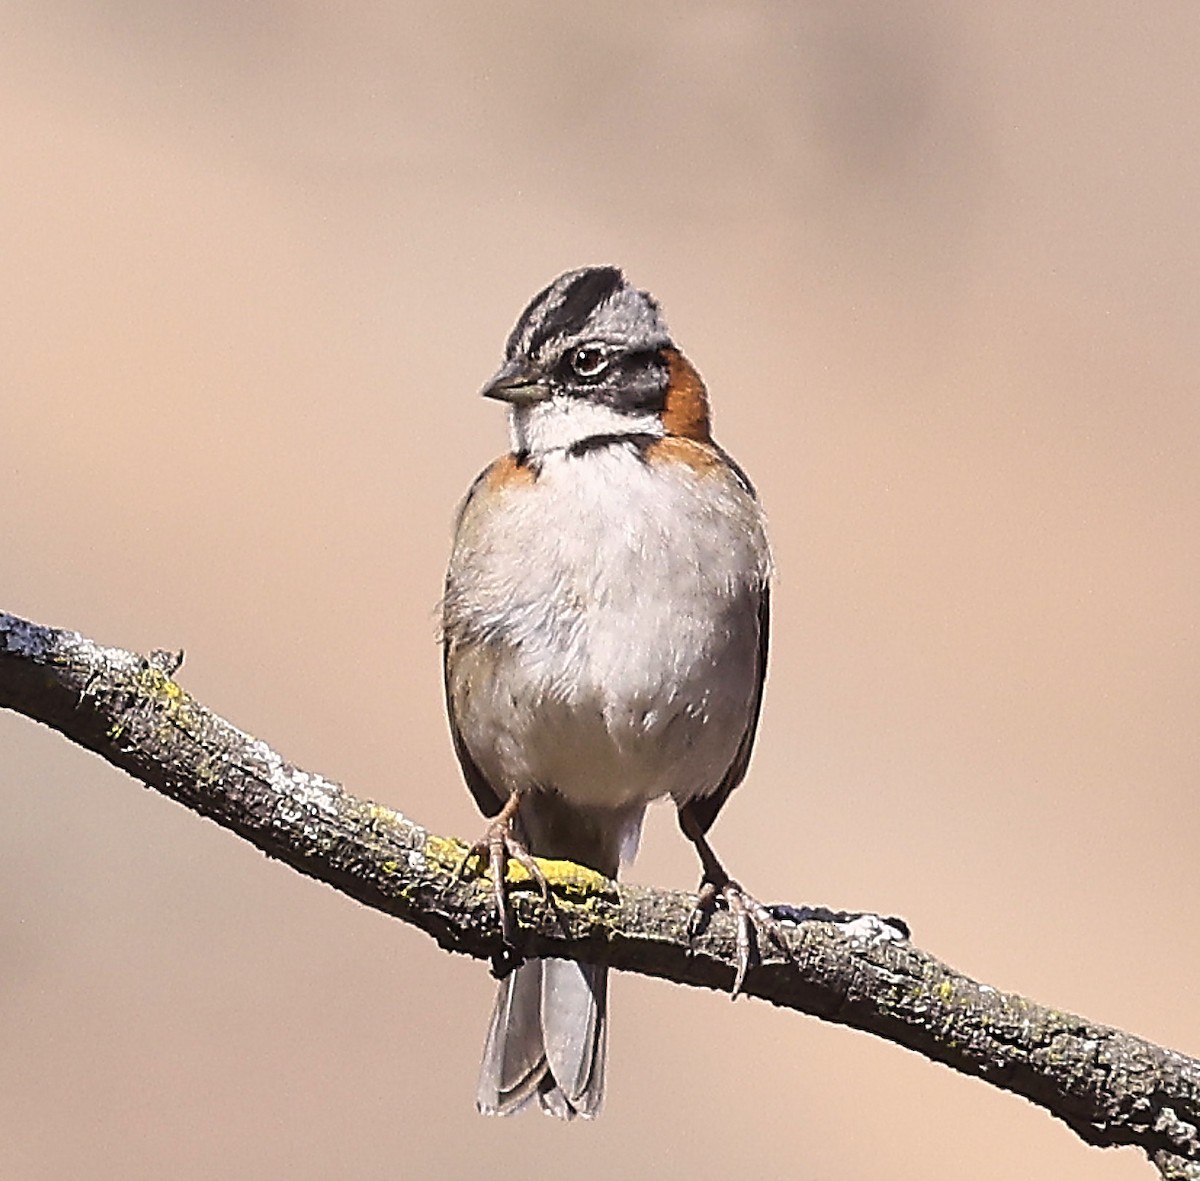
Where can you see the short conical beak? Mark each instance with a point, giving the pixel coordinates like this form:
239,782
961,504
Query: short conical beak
518,383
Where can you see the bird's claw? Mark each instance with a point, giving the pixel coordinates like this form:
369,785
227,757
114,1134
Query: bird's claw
751,918
496,847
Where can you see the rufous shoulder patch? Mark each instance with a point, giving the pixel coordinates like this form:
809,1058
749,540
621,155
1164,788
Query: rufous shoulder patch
699,456
686,411
509,471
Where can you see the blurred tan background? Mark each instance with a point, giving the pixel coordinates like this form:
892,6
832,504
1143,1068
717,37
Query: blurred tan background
939,265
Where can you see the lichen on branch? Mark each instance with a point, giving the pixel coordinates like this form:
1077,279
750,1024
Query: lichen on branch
1110,1087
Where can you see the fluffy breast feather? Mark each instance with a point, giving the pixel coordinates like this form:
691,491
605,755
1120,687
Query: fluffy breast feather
602,624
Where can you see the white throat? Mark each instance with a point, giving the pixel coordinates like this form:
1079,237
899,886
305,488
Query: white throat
560,422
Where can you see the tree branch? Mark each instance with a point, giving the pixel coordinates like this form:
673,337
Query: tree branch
1111,1088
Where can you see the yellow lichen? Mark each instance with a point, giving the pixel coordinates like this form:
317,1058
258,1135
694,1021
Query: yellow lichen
172,701
444,852
378,814
575,882
571,882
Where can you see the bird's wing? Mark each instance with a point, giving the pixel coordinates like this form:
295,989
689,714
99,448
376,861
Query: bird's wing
456,647
704,809
486,796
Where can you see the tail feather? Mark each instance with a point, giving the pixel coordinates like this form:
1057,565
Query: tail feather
513,1059
574,1030
547,1038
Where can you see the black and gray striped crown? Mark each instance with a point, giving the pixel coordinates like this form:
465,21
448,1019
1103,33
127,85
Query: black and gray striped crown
598,303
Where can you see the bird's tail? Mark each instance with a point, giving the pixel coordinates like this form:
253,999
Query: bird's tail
547,1038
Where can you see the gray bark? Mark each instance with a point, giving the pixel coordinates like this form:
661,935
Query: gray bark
1111,1088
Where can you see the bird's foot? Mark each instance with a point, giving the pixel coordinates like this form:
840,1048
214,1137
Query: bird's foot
496,847
753,921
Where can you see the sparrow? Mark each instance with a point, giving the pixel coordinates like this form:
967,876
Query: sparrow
604,627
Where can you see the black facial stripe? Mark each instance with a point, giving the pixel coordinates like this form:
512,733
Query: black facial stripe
633,383
643,380
578,302
637,385
642,441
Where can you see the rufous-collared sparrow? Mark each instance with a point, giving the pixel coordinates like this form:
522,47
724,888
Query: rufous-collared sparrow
605,631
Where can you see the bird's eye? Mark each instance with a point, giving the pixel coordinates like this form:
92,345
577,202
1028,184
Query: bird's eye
589,360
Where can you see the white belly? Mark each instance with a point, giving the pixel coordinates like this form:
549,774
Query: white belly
609,615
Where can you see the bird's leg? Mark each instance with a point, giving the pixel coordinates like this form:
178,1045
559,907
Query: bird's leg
499,844
752,918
